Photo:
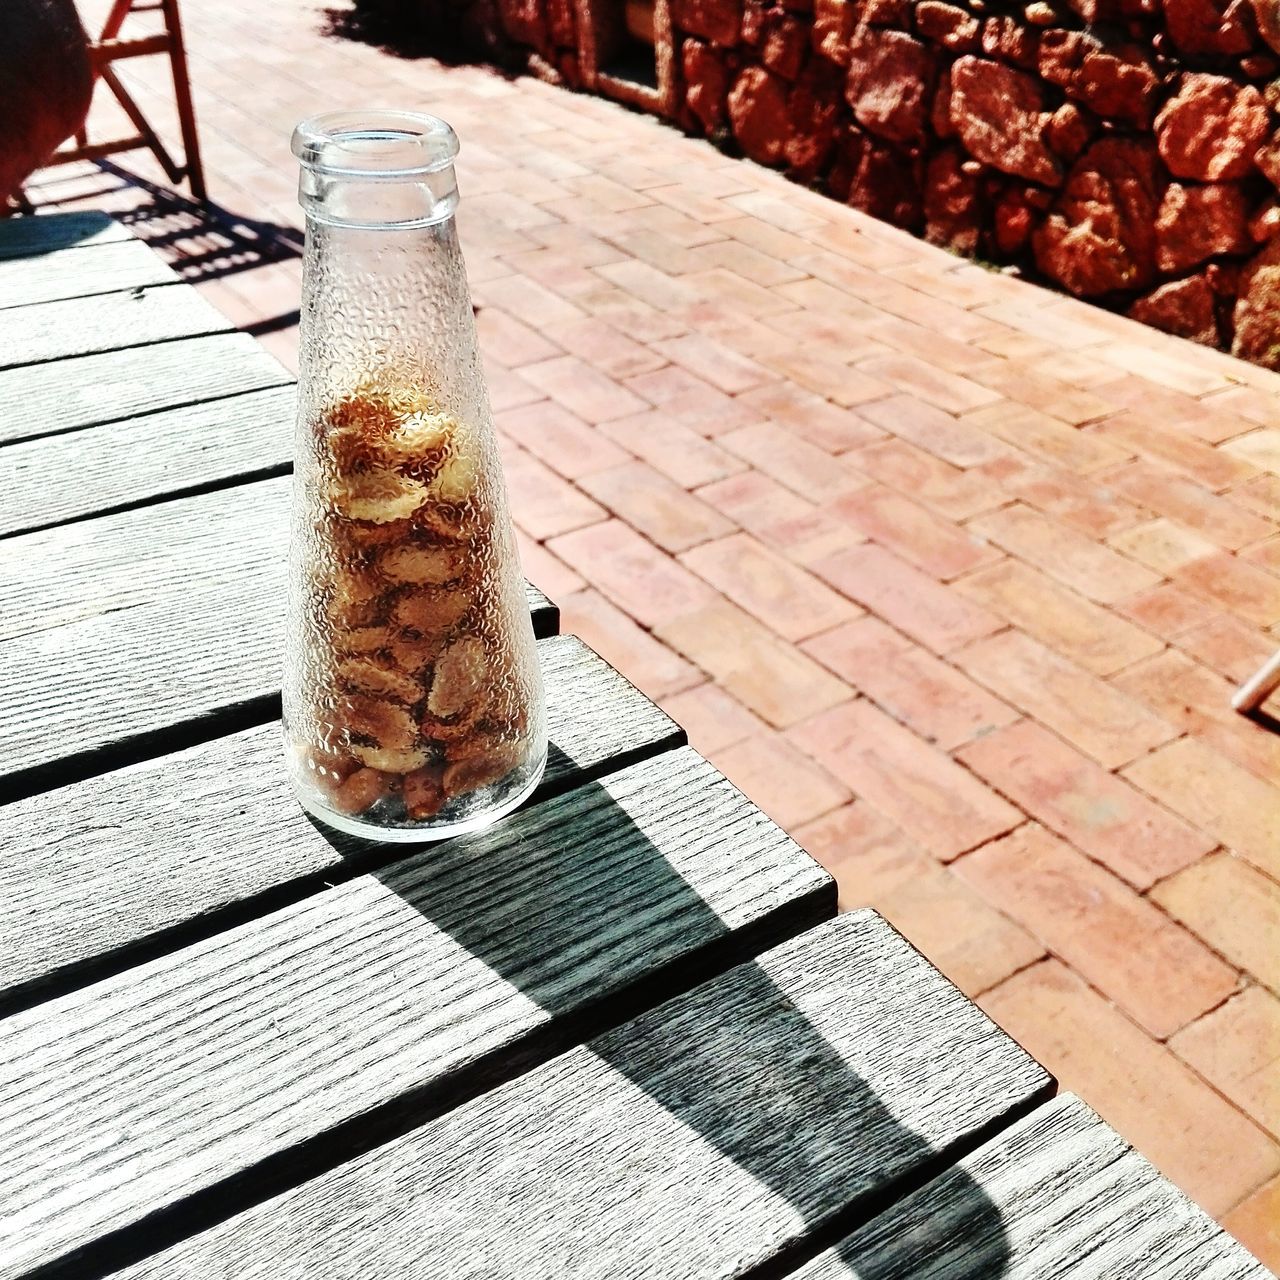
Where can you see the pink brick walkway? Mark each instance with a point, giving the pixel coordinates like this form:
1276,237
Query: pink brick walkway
952,575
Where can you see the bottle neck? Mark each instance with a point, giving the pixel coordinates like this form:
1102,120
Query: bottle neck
368,203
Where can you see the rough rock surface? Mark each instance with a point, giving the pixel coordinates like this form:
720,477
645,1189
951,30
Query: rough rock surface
1257,309
946,24
1117,81
1211,128
814,108
890,84
1100,236
719,21
999,115
706,79
1208,26
784,43
953,212
833,24
1187,308
758,111
1197,223
1266,16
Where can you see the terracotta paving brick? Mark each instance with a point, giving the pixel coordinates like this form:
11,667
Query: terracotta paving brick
541,502
656,506
615,637
1259,448
772,678
726,286
550,575
1241,588
864,851
751,264
1166,610
582,389
1218,796
648,284
1234,908
949,391
957,929
1237,1049
1036,390
926,793
910,600
632,572
1255,1222
824,375
801,466
1106,724
770,588
605,348
1179,1122
781,779
821,423
929,696
507,389
525,300
694,403
712,719
1163,545
509,341
929,428
1156,971
1222,519
1261,494
939,547
1074,626
680,454
559,439
708,359
949,491
1210,419
1017,424
1101,814
1087,504
1227,645
1184,692
1163,443
1064,553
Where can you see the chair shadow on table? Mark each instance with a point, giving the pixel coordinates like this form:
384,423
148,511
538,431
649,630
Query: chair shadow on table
789,1126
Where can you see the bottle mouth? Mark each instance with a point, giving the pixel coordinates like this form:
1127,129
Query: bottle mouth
376,170
375,146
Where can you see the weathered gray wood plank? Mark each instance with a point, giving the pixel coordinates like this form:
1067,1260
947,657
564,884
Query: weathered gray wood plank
74,273
94,871
706,1139
62,395
358,1010
76,327
83,473
1072,1201
118,630
23,237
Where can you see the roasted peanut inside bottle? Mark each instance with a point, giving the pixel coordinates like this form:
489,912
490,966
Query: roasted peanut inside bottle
412,697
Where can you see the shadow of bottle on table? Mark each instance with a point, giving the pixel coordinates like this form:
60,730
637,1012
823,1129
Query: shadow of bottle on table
763,1084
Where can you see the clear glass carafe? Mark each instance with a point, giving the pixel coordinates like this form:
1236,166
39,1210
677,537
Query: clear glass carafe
413,703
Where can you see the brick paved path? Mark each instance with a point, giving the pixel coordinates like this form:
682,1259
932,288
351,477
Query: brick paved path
952,575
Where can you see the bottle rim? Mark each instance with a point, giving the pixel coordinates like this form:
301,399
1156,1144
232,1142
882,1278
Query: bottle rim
374,145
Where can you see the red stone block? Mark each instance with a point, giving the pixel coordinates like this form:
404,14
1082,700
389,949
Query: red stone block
1116,81
946,24
716,20
1199,222
758,110
1211,128
998,113
890,83
706,79
1186,308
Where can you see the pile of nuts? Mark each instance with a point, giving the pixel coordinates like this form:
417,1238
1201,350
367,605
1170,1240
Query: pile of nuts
414,696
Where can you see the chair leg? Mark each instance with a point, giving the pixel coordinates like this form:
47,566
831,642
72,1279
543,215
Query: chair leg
1259,686
182,94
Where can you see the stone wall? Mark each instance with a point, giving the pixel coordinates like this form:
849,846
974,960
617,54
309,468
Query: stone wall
1126,150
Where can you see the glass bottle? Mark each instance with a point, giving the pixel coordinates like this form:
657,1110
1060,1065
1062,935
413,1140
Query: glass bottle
413,702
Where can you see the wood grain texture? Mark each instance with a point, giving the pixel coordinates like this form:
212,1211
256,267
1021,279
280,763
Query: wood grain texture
94,871
118,630
355,1011
1073,1201
708,1138
78,273
23,237
81,327
83,473
63,395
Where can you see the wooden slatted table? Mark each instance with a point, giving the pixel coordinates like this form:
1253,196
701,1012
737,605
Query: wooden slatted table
620,1033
